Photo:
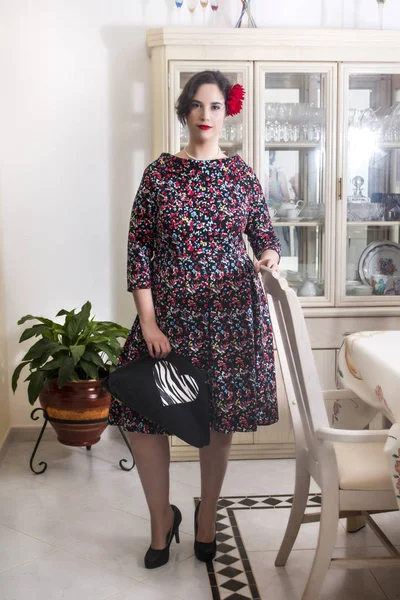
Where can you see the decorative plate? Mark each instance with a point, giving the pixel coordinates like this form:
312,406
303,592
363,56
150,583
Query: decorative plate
379,257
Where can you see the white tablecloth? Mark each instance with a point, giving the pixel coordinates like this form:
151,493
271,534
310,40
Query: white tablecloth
369,365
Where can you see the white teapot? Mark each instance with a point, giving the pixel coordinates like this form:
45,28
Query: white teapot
290,208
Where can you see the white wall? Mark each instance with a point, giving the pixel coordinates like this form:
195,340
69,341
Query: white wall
4,377
75,103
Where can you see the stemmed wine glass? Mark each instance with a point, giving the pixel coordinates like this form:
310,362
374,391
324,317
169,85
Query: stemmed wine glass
214,8
178,4
380,8
192,5
203,4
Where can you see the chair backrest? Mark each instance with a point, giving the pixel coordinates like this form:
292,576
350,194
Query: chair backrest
299,372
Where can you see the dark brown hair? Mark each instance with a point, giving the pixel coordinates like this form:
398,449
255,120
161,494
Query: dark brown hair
184,102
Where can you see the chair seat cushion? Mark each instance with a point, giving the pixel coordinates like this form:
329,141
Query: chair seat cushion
363,467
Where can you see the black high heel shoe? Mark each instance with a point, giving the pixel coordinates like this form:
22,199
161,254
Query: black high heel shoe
204,551
158,558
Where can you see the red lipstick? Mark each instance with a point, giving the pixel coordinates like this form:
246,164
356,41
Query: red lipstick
205,127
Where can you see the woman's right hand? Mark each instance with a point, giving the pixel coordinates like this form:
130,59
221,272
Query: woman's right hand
157,343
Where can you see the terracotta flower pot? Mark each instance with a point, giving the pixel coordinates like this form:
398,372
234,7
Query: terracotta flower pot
78,411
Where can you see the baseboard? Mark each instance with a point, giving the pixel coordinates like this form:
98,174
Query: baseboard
184,452
28,433
5,444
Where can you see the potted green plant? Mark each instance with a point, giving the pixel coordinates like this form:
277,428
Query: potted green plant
67,365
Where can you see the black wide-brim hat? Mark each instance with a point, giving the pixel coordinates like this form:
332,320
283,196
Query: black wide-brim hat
170,391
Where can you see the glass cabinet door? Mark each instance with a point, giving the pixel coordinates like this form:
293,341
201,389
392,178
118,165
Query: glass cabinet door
370,217
237,133
295,160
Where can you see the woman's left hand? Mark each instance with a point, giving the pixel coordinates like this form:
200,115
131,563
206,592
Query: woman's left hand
269,259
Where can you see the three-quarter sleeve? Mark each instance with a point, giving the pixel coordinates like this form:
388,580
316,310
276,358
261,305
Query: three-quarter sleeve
141,235
259,229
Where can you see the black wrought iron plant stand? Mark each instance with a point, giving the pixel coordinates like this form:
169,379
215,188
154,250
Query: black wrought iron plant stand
43,464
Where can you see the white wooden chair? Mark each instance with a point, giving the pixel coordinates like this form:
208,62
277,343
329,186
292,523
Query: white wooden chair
349,466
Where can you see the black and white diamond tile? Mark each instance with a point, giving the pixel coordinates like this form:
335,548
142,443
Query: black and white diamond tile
230,574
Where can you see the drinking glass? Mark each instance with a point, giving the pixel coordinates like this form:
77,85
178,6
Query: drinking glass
306,127
203,4
296,119
380,9
285,128
240,132
270,116
184,137
231,131
318,123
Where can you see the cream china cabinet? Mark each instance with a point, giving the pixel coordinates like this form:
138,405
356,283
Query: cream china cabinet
321,128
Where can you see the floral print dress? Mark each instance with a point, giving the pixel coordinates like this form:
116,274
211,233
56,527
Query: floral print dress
186,244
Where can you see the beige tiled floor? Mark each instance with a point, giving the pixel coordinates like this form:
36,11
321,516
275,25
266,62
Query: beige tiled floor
80,530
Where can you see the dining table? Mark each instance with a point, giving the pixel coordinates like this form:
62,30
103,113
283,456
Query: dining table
369,365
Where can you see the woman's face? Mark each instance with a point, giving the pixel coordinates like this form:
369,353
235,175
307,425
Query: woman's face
206,117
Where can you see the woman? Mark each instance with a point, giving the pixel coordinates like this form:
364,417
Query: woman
196,289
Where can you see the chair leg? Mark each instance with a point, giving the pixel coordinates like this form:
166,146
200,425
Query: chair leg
301,490
326,542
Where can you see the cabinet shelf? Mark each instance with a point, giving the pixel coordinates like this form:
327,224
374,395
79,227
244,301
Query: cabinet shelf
282,223
237,144
388,145
291,145
222,145
374,223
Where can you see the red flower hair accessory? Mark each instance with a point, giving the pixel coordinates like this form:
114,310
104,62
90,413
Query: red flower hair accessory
236,94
